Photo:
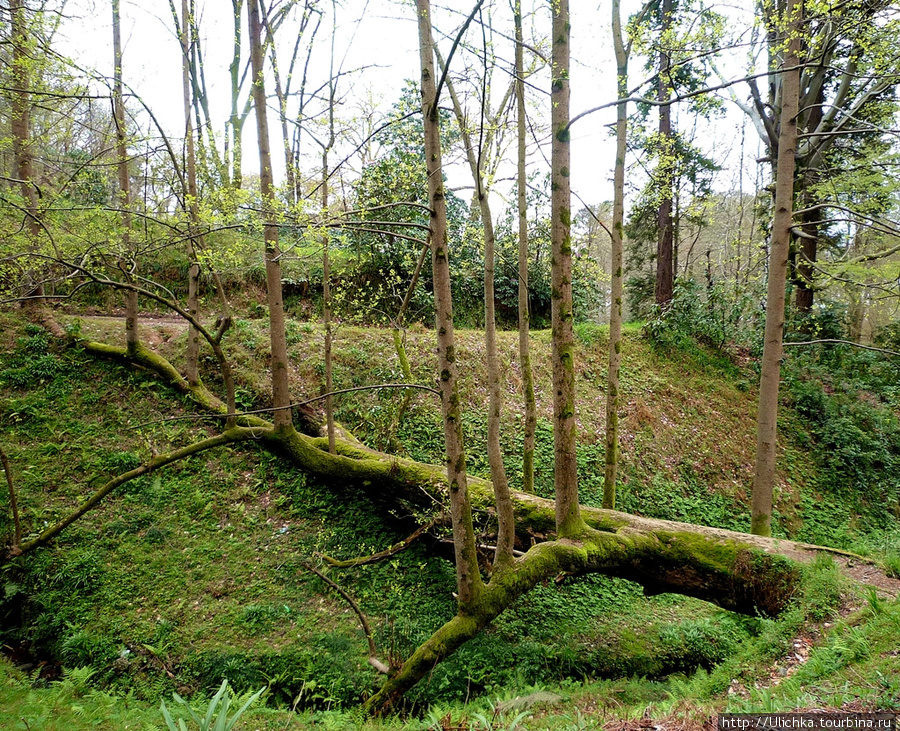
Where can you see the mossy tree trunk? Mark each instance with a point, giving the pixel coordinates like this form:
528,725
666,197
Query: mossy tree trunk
476,158
530,424
281,395
616,263
767,417
126,262
468,579
743,573
565,472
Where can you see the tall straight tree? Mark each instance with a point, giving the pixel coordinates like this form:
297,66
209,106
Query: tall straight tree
665,268
616,274
20,127
767,419
281,395
524,317
468,578
568,512
192,355
132,336
853,64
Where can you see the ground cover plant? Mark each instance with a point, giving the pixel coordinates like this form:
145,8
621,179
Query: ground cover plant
211,549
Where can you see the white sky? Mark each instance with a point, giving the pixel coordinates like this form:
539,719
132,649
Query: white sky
384,40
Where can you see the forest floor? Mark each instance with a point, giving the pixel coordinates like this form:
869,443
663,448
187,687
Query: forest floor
193,574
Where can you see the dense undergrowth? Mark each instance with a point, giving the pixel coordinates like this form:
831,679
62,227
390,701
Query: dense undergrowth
194,574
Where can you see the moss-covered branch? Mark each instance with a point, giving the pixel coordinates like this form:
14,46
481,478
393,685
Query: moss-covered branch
740,572
380,555
660,560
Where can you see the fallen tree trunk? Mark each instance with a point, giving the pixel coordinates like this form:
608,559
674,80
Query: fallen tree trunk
737,571
740,572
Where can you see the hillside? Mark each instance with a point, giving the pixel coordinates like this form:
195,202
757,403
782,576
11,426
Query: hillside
196,572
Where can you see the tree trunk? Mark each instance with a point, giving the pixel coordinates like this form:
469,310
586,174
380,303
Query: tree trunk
742,573
505,532
468,579
665,266
326,300
568,517
767,419
616,274
281,395
192,354
20,129
807,251
524,318
236,120
132,336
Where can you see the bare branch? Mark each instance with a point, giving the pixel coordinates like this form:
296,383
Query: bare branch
13,503
373,652
844,342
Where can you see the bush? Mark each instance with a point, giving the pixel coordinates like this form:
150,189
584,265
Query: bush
716,316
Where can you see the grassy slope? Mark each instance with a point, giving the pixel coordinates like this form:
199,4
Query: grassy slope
194,572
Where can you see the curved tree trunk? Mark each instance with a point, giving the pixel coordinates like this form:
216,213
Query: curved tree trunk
492,360
740,572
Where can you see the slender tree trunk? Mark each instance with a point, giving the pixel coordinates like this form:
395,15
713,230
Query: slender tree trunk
468,579
289,167
236,121
281,395
616,274
665,265
568,514
132,336
807,251
399,334
505,519
767,420
20,128
524,318
192,355
326,304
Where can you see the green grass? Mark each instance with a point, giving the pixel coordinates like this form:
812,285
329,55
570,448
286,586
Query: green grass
195,571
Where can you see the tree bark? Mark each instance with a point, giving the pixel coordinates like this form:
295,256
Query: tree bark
192,354
468,579
505,531
132,336
665,273
20,129
281,396
568,517
524,317
326,295
616,274
767,419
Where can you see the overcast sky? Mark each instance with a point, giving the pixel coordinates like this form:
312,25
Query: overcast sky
381,36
